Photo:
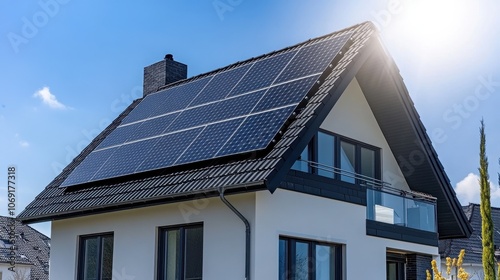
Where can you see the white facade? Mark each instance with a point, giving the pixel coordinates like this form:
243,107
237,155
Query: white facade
270,215
352,117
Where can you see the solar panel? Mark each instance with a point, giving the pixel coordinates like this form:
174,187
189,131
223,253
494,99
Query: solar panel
168,100
152,127
312,59
125,159
213,112
168,149
210,141
88,167
263,73
119,136
237,110
256,131
285,94
220,85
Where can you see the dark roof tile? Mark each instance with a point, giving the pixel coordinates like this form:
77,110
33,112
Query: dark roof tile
472,245
33,248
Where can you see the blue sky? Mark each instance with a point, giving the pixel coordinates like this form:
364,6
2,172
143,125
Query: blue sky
69,67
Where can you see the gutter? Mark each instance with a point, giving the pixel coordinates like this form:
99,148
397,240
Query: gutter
247,232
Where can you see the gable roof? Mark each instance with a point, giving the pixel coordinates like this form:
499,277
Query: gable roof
362,56
473,245
33,248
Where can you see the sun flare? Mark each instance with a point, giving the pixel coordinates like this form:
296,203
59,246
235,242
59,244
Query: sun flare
438,26
435,23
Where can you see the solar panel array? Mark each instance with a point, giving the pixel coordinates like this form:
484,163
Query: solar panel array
238,110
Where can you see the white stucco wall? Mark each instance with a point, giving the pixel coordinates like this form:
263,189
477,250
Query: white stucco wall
310,217
352,117
135,241
271,215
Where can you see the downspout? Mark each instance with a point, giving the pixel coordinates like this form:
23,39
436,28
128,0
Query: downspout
247,231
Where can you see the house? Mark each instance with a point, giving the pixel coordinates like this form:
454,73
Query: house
473,260
24,252
307,162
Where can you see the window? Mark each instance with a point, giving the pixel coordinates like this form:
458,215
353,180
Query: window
309,260
326,158
395,266
302,164
96,257
340,158
180,253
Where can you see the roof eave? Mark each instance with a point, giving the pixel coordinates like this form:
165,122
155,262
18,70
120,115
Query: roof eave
141,203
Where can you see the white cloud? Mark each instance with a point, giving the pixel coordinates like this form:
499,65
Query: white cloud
468,191
49,99
24,144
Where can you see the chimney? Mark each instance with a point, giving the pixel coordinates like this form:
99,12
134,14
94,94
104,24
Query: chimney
163,73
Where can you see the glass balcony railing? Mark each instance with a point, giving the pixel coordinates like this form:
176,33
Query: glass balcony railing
384,203
406,209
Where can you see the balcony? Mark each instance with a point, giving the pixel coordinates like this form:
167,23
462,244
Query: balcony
402,208
384,203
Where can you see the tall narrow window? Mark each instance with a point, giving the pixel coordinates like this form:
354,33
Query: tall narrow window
326,154
309,260
302,163
96,257
181,253
347,161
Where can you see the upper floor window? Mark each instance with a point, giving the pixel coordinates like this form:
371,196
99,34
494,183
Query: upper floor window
341,158
181,253
96,257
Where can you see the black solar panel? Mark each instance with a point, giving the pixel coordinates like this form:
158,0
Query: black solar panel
263,73
256,131
210,141
279,96
168,149
87,168
233,111
220,85
125,159
312,59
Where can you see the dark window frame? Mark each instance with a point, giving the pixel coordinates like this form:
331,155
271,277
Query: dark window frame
313,147
81,252
399,261
160,260
290,257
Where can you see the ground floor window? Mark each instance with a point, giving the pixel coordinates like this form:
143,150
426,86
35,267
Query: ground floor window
309,260
96,257
181,253
395,266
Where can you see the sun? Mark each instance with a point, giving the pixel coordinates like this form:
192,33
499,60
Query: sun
434,26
